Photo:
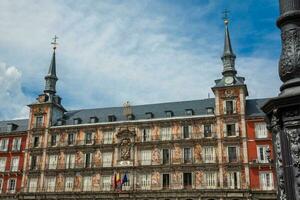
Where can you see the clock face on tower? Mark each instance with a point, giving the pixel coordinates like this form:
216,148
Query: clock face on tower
228,80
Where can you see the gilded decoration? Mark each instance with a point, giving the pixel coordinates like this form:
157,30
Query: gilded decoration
79,159
60,182
97,158
96,182
177,154
198,153
156,156
176,131
155,180
61,160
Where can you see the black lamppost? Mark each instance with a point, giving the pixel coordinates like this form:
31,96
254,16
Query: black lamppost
283,112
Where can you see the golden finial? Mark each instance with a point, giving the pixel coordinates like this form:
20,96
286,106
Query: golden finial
225,16
127,108
54,43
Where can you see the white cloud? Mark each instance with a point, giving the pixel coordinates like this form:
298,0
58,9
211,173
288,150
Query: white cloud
12,98
113,51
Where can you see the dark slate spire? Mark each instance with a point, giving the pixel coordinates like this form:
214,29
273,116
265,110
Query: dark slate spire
228,56
51,77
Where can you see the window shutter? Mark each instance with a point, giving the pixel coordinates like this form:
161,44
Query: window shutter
224,130
234,106
237,129
224,107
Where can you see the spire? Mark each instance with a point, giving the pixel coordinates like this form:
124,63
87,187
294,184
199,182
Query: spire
228,56
51,77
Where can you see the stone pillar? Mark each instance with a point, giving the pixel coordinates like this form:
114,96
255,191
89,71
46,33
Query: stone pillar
283,112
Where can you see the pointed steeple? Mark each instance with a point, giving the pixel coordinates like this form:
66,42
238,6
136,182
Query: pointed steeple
51,78
228,56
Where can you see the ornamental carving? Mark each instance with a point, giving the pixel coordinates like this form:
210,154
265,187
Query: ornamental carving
97,158
59,183
77,183
125,148
176,131
198,181
177,154
155,180
176,179
61,160
156,156
79,159
289,64
96,182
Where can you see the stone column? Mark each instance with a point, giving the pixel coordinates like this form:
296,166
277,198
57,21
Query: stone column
283,112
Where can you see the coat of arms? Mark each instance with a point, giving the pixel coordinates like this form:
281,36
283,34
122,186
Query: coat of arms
125,147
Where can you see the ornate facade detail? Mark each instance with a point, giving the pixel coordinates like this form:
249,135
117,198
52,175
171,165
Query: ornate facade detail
125,148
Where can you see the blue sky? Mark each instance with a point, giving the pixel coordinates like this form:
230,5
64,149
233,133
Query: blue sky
142,51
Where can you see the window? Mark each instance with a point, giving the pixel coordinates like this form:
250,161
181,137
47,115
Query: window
38,121
130,117
88,138
262,154
94,119
71,138
209,154
261,130
36,141
169,113
1,185
108,137
87,183
232,154
233,180
207,130
16,145
230,107
146,135
209,111
189,112
69,184
127,185
33,163
14,166
112,118
87,160
266,181
50,184
166,181
107,159
106,183
187,131
149,115
146,157
231,130
52,161
32,186
210,179
54,139
187,155
76,121
145,181
187,180
166,156
4,144
2,164
70,161
11,187
165,133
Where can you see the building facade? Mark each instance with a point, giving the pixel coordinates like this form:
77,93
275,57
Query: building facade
197,149
13,136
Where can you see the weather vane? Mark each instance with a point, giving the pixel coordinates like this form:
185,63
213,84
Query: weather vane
54,43
225,16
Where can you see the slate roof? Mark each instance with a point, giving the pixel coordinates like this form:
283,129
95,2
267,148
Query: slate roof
158,110
221,82
253,107
21,125
199,107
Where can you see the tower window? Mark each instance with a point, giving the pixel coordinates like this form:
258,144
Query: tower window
232,154
38,121
36,141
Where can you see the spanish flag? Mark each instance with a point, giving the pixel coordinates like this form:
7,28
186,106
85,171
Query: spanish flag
118,180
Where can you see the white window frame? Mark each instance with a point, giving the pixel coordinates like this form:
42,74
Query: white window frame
9,190
210,179
32,186
87,183
264,148
1,185
147,133
108,137
230,180
16,145
51,181
234,110
237,151
166,133
107,159
145,181
263,180
106,183
70,161
14,164
52,164
209,158
190,154
190,131
146,157
69,184
4,144
261,130
3,164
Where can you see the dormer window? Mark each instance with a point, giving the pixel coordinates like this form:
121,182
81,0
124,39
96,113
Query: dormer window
130,117
189,112
94,119
169,113
76,121
60,122
149,115
11,127
209,111
112,118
